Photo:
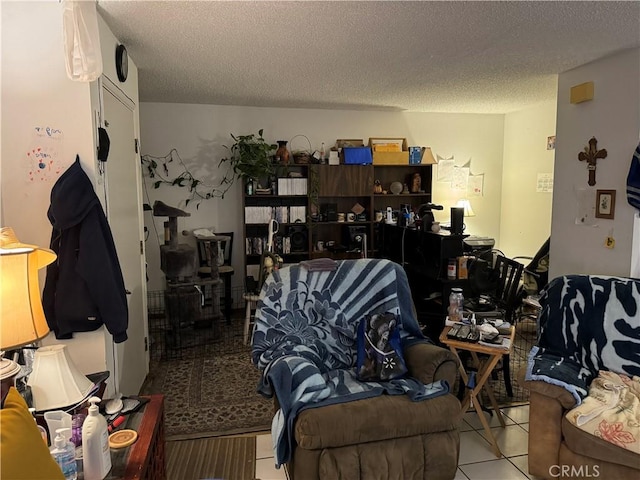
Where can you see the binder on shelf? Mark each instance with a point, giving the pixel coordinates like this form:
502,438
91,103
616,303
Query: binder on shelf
292,186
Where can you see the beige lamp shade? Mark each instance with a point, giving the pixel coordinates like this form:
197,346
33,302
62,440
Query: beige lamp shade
22,319
466,205
427,157
55,380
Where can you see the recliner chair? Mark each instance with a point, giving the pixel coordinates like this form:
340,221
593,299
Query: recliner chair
329,425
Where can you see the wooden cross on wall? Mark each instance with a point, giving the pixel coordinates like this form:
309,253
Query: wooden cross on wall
590,155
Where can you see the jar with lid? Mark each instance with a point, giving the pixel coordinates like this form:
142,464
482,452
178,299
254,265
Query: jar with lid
451,269
456,305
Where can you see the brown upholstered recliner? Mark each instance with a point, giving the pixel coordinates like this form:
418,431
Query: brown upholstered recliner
315,314
584,326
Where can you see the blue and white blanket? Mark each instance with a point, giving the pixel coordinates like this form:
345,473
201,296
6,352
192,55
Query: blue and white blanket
587,323
305,338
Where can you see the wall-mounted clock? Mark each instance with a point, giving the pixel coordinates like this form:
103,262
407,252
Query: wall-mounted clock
122,62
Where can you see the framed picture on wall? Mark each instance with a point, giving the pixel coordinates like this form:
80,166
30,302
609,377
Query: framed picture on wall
605,203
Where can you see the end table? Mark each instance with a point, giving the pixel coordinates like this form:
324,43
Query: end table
485,367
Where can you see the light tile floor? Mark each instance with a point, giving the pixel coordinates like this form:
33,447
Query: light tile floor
477,460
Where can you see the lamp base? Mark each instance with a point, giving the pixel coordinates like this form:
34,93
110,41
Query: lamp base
8,371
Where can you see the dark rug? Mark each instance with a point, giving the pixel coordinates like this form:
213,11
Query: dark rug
222,458
210,389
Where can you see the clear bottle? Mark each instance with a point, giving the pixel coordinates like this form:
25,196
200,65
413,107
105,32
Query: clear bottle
249,186
96,456
64,453
456,305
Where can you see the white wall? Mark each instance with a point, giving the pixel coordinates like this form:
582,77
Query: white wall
613,117
37,93
199,132
525,220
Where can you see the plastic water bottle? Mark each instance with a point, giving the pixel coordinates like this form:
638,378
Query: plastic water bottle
456,305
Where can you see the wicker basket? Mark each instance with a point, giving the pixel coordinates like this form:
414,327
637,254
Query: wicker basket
301,156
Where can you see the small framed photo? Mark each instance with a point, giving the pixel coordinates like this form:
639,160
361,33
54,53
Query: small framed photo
605,203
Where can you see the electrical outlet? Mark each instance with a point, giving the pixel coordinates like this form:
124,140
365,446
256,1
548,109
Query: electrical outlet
610,242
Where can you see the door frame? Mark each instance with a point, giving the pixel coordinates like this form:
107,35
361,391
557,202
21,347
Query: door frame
104,82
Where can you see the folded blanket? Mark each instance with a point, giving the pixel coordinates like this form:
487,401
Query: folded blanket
611,411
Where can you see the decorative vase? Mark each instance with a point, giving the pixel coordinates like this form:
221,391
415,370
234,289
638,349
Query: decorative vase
282,154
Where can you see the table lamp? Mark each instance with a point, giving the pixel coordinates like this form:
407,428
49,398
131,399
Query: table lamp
466,205
22,321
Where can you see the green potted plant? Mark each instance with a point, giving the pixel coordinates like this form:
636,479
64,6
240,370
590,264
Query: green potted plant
250,159
251,156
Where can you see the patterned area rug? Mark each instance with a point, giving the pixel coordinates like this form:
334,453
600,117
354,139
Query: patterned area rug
210,391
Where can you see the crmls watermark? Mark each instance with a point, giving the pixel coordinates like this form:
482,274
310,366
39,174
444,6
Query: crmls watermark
573,471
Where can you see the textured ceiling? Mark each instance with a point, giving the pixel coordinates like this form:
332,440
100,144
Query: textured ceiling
474,57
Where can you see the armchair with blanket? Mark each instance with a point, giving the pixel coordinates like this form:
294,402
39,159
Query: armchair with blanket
329,424
583,378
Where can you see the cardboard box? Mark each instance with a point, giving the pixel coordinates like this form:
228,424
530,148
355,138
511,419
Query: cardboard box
341,143
349,142
357,155
384,154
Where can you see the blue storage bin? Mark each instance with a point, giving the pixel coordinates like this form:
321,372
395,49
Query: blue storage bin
357,155
415,155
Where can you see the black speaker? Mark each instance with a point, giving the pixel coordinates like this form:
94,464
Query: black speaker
353,236
298,237
457,220
329,212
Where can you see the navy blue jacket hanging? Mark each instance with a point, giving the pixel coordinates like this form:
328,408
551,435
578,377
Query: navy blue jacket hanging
633,180
84,288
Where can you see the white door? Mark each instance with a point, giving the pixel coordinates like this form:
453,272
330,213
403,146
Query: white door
124,211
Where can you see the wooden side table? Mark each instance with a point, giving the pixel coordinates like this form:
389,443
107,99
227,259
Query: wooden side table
145,459
485,367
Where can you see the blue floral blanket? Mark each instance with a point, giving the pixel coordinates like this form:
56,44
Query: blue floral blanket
587,323
305,338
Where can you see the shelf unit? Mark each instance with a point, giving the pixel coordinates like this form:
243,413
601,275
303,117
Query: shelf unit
344,186
273,205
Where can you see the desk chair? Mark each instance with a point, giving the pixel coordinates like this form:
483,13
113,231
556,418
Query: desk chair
223,253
